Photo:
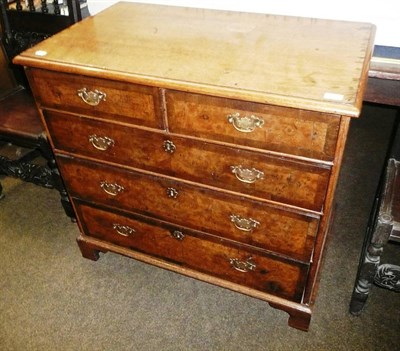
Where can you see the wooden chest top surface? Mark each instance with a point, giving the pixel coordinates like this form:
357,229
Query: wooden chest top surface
290,61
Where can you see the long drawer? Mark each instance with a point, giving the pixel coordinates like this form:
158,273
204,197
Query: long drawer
262,272
97,97
278,179
233,217
281,129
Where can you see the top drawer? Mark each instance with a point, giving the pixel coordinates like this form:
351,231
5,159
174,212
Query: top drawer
281,129
137,104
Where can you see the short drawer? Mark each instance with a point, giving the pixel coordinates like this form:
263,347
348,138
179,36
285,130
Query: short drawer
278,179
107,99
254,223
198,251
288,130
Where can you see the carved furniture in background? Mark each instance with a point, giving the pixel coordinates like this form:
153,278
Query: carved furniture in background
22,135
384,223
205,142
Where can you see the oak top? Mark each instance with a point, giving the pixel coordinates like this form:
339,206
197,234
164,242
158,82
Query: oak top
299,62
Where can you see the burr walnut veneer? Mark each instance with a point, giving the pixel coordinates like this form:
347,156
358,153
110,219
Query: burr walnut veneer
205,142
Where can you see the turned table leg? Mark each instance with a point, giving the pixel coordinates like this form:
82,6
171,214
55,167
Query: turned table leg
370,261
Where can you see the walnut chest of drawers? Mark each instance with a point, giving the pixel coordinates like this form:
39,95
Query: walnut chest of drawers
204,142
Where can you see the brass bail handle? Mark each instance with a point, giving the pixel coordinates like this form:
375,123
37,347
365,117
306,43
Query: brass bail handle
92,97
247,175
101,143
112,189
123,230
243,266
245,124
244,224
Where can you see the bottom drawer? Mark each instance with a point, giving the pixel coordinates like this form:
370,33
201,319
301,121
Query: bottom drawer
196,250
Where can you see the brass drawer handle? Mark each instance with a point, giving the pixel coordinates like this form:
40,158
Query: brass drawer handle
112,189
243,266
92,98
245,124
178,235
244,224
101,143
169,146
123,230
247,175
172,193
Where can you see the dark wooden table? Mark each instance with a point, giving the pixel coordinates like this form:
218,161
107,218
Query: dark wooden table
384,223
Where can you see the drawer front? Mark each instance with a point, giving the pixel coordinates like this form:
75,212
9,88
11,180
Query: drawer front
113,100
268,274
287,130
281,180
130,232
233,217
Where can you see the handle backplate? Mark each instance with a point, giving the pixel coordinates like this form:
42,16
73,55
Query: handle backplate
91,97
245,124
101,143
243,266
247,175
172,193
112,189
169,146
123,230
244,224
